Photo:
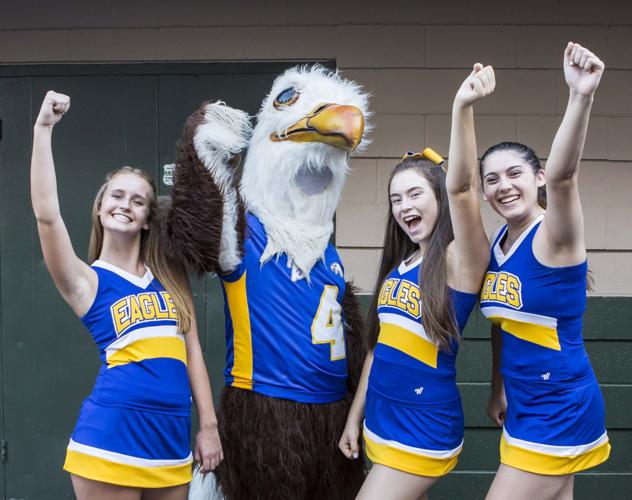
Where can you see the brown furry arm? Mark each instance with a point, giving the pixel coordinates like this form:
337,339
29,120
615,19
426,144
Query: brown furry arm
205,227
353,324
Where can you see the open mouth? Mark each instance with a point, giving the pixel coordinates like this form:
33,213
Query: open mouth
505,200
122,217
412,222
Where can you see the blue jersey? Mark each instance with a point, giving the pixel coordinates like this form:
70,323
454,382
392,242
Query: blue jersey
555,421
407,365
134,428
285,338
413,414
539,310
135,326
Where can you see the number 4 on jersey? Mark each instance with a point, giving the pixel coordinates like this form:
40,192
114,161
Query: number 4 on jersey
327,324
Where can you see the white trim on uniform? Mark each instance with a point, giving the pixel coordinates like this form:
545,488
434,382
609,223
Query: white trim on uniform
142,333
120,458
501,258
403,268
522,317
407,324
411,449
141,282
558,451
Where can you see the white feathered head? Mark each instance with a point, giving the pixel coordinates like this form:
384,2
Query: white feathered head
297,159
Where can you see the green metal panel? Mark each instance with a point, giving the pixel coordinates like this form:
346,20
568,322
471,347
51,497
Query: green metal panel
3,221
50,362
120,114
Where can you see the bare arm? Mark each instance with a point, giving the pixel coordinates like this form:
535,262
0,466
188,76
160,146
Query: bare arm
563,223
208,448
74,279
349,441
469,254
497,405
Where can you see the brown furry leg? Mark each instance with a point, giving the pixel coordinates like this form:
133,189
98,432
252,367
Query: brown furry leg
279,449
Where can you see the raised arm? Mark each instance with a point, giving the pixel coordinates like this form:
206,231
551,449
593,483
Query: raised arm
469,254
74,279
563,223
207,222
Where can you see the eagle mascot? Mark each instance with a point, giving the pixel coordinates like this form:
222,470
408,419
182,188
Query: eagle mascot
293,326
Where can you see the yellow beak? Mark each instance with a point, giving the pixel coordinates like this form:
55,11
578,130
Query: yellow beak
337,125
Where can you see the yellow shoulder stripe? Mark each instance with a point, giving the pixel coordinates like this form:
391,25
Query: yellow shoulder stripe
545,336
242,335
404,340
149,348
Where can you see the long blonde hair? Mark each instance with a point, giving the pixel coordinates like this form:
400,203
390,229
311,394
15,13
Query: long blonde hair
168,271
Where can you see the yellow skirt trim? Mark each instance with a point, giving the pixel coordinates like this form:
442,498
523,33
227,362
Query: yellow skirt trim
541,463
406,461
99,469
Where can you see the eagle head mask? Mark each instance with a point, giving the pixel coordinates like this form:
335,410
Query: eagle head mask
298,158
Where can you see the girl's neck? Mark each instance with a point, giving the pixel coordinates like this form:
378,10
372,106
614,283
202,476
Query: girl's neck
415,255
123,253
516,227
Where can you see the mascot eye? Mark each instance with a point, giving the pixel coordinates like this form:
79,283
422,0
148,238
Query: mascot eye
286,98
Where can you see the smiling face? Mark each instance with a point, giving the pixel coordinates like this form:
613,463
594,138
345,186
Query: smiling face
414,205
510,185
125,204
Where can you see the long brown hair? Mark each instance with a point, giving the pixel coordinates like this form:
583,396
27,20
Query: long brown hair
436,313
168,271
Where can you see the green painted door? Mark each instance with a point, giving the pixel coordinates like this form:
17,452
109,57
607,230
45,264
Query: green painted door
120,115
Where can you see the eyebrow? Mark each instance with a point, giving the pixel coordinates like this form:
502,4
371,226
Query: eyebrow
507,168
119,190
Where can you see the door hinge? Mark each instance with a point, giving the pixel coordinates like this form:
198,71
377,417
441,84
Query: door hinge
4,451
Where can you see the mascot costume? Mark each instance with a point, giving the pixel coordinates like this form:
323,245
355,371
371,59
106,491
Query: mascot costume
293,330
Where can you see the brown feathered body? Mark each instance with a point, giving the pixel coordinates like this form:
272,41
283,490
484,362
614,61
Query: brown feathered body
274,448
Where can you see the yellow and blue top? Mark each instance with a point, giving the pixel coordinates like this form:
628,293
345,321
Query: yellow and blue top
285,337
539,311
134,323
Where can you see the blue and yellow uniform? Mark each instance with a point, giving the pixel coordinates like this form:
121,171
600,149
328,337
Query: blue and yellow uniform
284,337
413,415
134,428
555,412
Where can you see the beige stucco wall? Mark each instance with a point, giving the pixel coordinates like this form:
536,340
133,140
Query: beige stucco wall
411,56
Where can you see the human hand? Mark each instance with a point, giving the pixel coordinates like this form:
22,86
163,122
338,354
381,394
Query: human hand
480,83
348,443
582,69
497,407
53,108
208,449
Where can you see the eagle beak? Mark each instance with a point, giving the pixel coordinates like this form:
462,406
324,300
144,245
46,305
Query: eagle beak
337,125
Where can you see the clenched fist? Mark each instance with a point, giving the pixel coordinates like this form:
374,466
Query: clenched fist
480,83
53,109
